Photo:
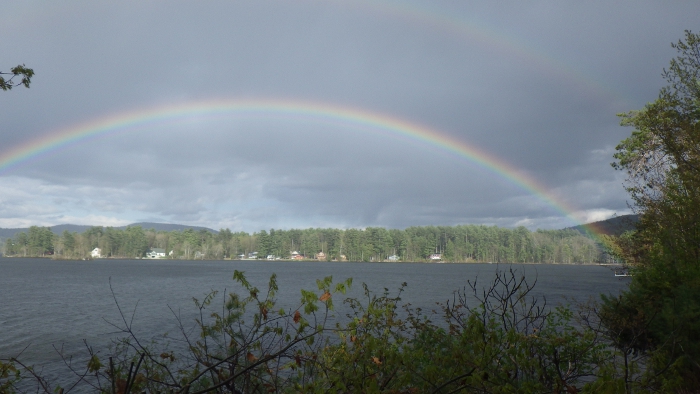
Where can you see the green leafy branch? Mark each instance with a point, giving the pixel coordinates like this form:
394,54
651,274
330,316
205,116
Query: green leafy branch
20,70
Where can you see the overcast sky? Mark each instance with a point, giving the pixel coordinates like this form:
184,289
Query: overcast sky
535,85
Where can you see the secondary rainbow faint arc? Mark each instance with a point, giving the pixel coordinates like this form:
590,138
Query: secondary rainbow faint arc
478,33
346,115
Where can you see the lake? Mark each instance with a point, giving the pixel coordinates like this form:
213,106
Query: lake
45,303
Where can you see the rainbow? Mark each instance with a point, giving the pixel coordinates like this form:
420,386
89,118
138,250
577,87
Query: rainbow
355,117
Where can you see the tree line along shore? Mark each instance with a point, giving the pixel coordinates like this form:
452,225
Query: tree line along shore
461,244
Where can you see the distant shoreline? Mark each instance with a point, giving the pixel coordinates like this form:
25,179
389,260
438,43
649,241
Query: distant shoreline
306,261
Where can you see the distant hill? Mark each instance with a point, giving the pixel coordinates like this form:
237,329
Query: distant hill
6,233
71,228
168,227
613,226
10,232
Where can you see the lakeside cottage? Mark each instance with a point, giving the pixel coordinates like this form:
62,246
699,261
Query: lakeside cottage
297,256
156,253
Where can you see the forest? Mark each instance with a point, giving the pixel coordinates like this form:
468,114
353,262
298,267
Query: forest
464,243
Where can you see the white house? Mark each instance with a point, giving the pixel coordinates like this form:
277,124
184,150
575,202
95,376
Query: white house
156,253
96,253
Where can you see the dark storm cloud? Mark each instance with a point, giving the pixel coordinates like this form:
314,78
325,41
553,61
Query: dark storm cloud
534,84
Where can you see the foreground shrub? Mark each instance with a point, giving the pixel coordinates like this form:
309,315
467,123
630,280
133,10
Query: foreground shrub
495,339
508,343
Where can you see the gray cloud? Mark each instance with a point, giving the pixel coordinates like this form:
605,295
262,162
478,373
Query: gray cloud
534,84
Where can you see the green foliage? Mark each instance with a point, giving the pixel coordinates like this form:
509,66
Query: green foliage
38,241
241,347
658,319
9,376
20,70
466,243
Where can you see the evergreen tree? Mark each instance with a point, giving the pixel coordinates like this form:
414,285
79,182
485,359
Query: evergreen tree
660,314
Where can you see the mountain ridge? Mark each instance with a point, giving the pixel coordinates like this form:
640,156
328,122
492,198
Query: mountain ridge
78,228
613,226
616,225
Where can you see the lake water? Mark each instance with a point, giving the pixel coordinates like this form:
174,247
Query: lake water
46,304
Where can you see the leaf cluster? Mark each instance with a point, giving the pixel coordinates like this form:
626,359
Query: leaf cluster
20,70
